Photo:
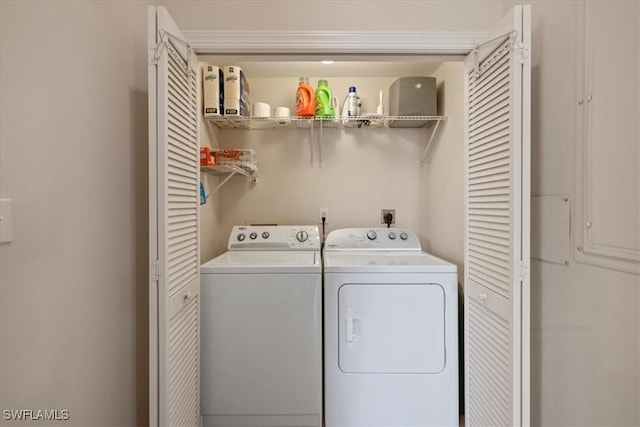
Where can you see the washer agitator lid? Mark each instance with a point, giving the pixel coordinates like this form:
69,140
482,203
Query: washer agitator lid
255,262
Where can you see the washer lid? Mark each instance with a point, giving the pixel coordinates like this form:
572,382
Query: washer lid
394,262
263,262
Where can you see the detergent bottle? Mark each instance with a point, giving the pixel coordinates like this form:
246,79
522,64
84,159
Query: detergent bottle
352,105
305,104
324,100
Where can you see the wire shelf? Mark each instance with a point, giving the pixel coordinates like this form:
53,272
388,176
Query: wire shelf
246,168
367,121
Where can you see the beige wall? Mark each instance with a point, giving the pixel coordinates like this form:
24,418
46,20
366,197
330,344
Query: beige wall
73,158
443,200
210,230
362,171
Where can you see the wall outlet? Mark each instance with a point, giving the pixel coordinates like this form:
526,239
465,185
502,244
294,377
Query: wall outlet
384,212
324,213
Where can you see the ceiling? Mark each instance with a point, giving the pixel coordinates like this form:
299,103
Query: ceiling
344,66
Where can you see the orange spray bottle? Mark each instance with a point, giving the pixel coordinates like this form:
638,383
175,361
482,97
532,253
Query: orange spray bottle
305,103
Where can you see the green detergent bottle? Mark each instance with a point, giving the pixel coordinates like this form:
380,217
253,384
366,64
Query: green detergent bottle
324,100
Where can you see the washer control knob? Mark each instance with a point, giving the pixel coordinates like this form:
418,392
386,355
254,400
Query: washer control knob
392,235
265,234
241,237
404,236
253,235
371,235
302,236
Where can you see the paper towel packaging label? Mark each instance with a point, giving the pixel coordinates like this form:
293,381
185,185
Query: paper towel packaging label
213,90
236,92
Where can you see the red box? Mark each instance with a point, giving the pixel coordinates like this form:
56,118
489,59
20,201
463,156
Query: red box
206,159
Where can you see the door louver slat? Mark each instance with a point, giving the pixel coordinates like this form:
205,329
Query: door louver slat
499,124
183,359
492,150
489,111
491,364
490,141
495,78
491,181
484,352
181,229
490,258
489,120
480,104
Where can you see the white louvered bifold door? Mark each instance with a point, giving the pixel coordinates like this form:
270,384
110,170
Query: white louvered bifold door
497,89
174,304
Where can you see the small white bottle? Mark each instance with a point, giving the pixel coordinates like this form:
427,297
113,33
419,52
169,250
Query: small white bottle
352,105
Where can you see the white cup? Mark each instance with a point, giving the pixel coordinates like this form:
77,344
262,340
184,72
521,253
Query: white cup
261,109
283,114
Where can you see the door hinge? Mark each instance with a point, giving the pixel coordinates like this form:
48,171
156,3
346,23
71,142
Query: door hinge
154,271
521,52
156,49
521,271
153,54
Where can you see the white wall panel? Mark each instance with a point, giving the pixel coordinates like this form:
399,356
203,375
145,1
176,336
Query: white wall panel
582,315
608,149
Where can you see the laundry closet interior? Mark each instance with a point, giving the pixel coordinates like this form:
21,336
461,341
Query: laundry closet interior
339,175
352,170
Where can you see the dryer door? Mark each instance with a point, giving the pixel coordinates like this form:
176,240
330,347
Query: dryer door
391,328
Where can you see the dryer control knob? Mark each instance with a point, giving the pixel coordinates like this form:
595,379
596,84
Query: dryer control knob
371,235
404,236
392,235
265,234
253,236
241,237
302,236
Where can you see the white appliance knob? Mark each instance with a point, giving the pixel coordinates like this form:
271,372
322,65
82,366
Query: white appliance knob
371,235
241,237
302,236
253,236
392,235
265,234
404,236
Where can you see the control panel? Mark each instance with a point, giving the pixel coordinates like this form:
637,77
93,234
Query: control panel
274,238
382,239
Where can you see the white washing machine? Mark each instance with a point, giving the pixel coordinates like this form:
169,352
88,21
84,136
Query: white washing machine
391,327
261,330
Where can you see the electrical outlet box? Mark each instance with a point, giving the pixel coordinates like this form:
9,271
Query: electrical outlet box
324,213
384,212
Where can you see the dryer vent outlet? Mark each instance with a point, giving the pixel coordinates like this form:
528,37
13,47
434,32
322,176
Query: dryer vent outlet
384,216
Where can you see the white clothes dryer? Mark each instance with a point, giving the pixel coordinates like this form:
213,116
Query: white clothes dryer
261,330
391,327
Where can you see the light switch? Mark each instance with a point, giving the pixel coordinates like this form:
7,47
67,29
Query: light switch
5,220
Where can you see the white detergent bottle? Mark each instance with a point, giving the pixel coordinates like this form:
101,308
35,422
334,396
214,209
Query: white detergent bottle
352,105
